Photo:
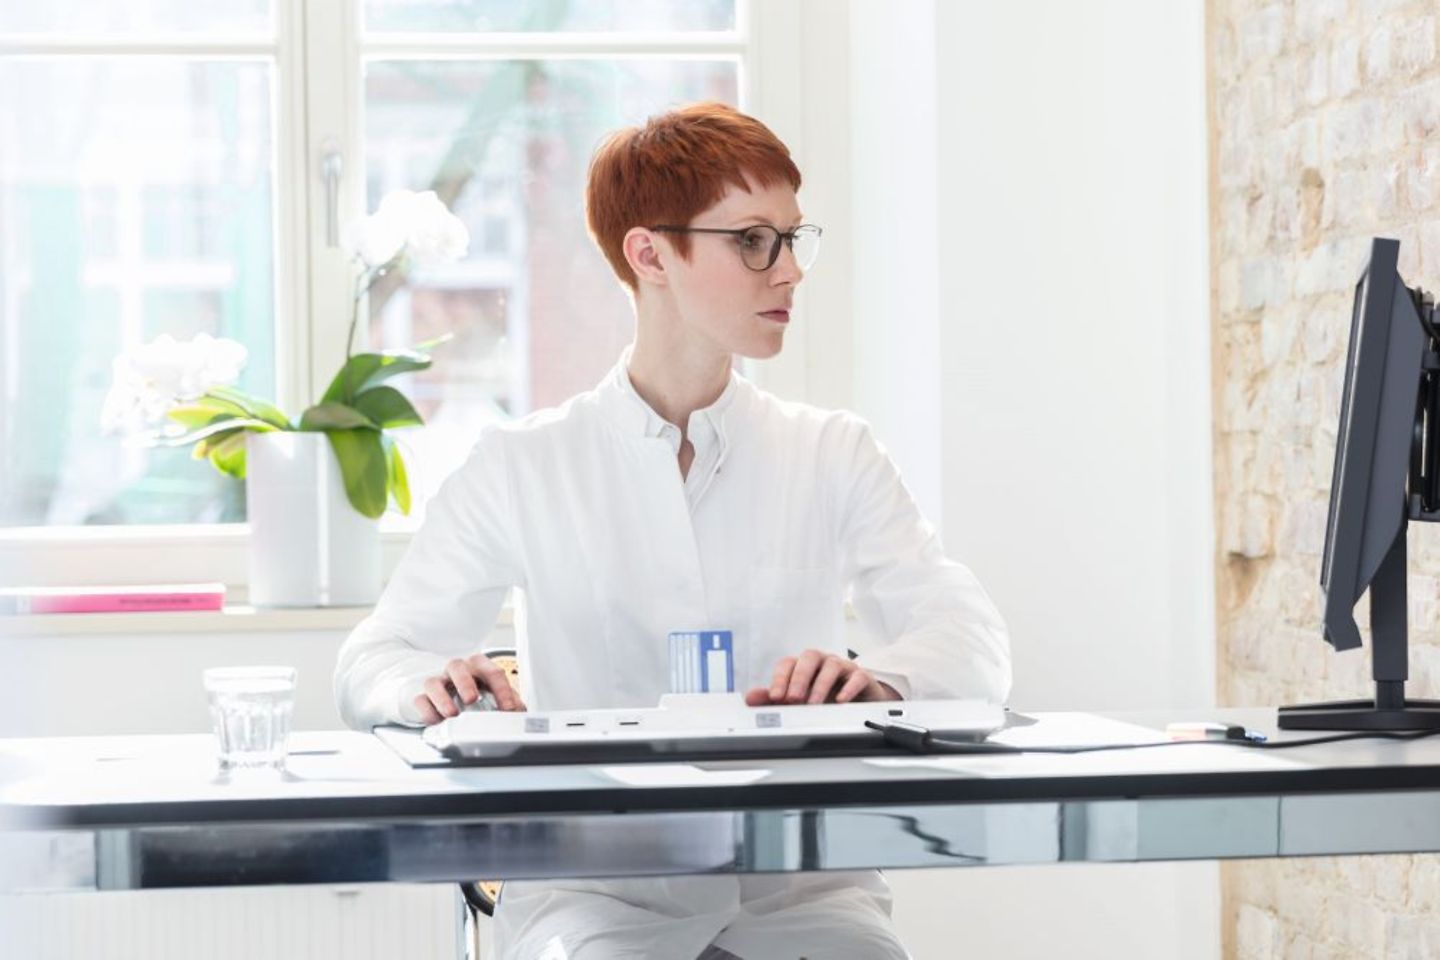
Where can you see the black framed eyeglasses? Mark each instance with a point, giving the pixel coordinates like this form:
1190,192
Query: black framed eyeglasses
760,244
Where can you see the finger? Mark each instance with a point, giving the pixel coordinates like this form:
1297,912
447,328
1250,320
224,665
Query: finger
781,681
459,673
427,713
758,697
855,685
829,675
442,697
805,667
496,682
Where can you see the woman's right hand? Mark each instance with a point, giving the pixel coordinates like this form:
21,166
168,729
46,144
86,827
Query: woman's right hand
466,680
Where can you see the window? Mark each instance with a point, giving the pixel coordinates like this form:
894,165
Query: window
137,197
161,173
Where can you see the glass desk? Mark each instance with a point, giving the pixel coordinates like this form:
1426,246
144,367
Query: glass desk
152,812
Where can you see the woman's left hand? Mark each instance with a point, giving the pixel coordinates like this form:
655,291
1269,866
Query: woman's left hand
819,677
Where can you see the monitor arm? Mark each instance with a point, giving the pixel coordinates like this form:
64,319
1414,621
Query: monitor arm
1423,500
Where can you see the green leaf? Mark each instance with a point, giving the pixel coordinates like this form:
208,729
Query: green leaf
223,424
218,405
227,453
201,450
192,416
334,416
387,407
399,479
362,465
250,406
429,346
364,370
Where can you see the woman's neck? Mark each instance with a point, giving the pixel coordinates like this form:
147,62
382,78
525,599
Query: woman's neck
674,373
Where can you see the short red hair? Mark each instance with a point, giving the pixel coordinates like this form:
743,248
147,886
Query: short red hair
673,168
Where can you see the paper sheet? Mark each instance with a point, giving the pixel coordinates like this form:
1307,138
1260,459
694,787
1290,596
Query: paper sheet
1075,730
680,775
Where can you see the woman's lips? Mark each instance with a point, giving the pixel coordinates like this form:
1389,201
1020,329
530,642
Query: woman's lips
779,316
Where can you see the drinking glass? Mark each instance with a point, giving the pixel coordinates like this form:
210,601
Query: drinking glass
250,711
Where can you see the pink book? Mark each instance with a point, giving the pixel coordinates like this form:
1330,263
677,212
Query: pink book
149,597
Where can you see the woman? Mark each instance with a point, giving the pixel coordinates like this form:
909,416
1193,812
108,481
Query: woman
678,496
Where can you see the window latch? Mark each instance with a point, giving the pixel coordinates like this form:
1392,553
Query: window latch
332,164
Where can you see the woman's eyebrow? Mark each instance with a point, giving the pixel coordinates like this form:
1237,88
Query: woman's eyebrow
753,219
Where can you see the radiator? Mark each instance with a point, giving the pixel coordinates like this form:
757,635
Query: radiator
363,922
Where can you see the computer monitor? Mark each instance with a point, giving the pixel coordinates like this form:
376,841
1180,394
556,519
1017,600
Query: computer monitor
1386,459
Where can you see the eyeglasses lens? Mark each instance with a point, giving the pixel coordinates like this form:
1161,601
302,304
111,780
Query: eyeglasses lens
806,244
760,246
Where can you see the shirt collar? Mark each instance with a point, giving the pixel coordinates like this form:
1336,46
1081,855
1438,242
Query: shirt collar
629,411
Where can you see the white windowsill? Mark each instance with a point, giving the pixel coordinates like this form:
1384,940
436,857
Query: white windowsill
135,556
235,618
238,618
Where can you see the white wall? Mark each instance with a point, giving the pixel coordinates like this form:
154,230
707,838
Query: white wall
1062,313
97,683
1077,338
894,186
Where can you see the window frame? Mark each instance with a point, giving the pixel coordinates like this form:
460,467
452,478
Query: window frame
317,102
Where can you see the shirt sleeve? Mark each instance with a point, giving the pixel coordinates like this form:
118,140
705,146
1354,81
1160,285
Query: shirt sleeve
944,637
442,599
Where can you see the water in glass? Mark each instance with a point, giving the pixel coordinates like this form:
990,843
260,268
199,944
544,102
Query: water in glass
250,710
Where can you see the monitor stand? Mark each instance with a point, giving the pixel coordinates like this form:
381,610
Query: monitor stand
1389,651
1393,712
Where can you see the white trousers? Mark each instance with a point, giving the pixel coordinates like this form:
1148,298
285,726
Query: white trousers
817,916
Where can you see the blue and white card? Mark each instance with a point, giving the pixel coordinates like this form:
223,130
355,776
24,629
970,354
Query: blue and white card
702,661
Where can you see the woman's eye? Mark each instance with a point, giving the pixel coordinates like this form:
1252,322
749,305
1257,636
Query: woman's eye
752,241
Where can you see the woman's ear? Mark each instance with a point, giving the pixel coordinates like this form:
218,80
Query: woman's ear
642,252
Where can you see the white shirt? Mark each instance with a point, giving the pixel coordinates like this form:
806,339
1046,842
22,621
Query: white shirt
705,431
583,511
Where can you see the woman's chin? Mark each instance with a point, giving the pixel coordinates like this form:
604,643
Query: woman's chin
763,348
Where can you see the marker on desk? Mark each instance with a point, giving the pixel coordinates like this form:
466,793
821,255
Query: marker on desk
1212,731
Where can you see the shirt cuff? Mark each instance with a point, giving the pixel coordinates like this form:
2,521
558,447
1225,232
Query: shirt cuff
898,681
406,689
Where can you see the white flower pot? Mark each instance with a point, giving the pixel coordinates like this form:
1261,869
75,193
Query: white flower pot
308,546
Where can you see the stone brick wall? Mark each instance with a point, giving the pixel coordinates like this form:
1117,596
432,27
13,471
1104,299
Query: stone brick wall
1325,132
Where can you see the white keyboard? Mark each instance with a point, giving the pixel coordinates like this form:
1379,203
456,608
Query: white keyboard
686,724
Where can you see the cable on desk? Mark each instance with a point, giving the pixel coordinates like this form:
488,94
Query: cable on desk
919,739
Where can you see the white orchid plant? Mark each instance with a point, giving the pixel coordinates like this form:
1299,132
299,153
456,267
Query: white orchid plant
190,384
